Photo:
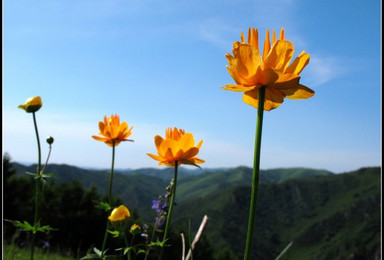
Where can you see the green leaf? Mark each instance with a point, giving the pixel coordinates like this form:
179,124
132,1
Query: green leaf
158,243
115,233
103,205
33,174
127,249
97,251
47,175
23,225
141,251
44,228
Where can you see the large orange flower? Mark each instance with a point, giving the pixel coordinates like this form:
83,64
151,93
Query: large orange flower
113,131
250,69
177,146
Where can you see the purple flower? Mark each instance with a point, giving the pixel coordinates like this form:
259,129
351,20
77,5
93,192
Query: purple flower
157,205
160,221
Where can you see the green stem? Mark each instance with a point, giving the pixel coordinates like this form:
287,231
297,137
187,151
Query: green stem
109,196
46,162
111,175
127,244
170,210
104,240
256,173
37,191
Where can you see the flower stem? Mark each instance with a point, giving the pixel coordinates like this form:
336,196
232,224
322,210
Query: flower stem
46,162
109,196
170,210
256,173
127,244
111,175
37,191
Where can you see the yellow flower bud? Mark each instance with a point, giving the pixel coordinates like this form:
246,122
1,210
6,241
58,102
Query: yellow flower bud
32,104
134,227
120,213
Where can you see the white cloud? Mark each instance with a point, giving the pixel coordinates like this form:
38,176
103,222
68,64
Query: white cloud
322,69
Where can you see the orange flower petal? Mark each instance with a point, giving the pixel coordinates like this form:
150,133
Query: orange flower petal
238,88
279,56
267,45
273,98
298,64
302,92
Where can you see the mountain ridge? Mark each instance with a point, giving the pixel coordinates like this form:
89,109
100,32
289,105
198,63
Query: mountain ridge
326,215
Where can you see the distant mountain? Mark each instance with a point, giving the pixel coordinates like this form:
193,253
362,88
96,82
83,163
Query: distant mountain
139,187
325,215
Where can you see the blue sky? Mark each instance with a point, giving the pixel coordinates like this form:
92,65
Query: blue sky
161,64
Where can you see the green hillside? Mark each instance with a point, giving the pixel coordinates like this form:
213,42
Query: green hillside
137,188
329,217
325,215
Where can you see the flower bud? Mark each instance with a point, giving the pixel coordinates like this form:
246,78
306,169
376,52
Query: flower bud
120,213
32,104
134,227
50,140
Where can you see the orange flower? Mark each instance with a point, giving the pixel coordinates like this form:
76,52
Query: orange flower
120,213
251,70
113,131
134,227
177,146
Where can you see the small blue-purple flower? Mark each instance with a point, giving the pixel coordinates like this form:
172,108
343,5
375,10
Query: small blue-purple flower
160,221
158,205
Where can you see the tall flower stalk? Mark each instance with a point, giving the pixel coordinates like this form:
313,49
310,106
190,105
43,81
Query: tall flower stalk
255,174
177,148
37,185
169,215
32,105
112,133
266,79
109,195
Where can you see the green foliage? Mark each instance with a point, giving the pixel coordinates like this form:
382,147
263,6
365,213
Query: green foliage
25,226
12,252
324,215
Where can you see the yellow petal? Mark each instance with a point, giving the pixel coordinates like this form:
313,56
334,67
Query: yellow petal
248,60
191,152
279,56
298,64
156,157
302,92
186,141
282,35
237,88
98,138
268,76
273,98
287,83
267,45
242,37
253,38
158,141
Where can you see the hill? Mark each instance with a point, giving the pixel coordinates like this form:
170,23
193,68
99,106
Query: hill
325,215
137,188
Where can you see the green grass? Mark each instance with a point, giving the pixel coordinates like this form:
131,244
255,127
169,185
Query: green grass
11,252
